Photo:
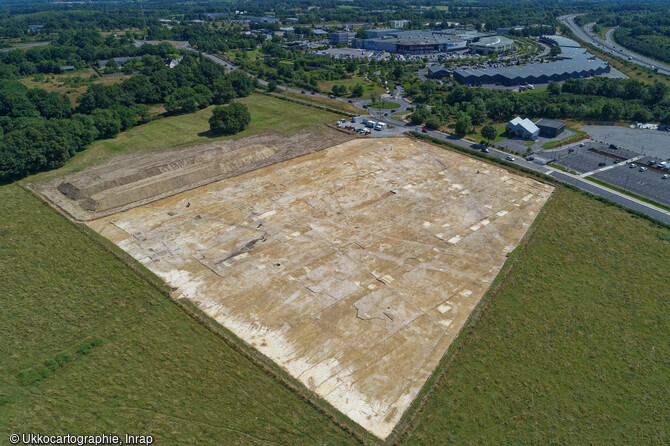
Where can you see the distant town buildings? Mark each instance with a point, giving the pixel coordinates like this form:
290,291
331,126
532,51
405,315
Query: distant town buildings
342,38
398,23
427,41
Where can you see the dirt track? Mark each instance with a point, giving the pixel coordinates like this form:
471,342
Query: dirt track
353,268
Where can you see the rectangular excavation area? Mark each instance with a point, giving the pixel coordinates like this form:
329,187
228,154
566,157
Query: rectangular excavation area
353,268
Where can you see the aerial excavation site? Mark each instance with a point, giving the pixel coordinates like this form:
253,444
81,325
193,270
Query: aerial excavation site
352,267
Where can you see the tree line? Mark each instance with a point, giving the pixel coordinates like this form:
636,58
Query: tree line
41,130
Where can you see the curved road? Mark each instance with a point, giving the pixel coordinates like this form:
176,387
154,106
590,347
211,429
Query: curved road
587,35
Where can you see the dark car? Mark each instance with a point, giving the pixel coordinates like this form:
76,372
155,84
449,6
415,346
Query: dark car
303,92
314,92
614,147
350,101
602,163
617,161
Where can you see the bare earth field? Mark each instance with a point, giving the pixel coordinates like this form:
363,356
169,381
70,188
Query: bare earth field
138,178
353,267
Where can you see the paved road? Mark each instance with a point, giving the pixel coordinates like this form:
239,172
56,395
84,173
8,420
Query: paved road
608,44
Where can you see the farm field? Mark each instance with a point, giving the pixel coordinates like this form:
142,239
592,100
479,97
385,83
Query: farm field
573,348
157,371
186,130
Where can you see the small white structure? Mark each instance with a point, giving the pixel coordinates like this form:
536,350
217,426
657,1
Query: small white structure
522,128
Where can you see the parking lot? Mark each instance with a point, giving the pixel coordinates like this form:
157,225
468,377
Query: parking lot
367,131
648,142
592,156
649,183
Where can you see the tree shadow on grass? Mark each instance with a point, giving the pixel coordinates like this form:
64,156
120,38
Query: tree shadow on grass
211,134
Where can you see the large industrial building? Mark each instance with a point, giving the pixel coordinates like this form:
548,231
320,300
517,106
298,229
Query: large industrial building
493,44
574,63
427,41
342,38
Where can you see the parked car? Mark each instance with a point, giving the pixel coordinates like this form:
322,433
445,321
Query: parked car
614,147
509,158
643,169
530,158
485,150
665,177
303,92
632,166
617,161
581,144
424,130
601,164
350,101
570,150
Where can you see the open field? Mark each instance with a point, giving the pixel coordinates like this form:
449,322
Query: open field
369,87
326,102
575,346
157,371
58,82
186,130
353,268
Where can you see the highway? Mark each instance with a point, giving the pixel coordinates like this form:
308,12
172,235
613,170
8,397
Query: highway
587,35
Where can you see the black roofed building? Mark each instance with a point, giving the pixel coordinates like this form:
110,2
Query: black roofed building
550,128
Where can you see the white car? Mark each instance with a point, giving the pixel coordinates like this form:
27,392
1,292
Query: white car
509,158
665,177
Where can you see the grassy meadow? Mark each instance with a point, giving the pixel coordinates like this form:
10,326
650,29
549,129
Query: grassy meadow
149,368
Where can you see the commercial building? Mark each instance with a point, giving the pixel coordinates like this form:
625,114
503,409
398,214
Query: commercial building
398,23
418,42
438,72
550,128
522,128
491,45
574,63
342,38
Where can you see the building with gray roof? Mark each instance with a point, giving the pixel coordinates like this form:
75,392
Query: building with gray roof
493,44
574,62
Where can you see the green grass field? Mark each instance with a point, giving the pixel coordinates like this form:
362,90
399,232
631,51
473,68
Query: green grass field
157,371
267,113
575,346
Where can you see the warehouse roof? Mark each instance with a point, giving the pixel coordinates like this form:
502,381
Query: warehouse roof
577,64
550,123
561,41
